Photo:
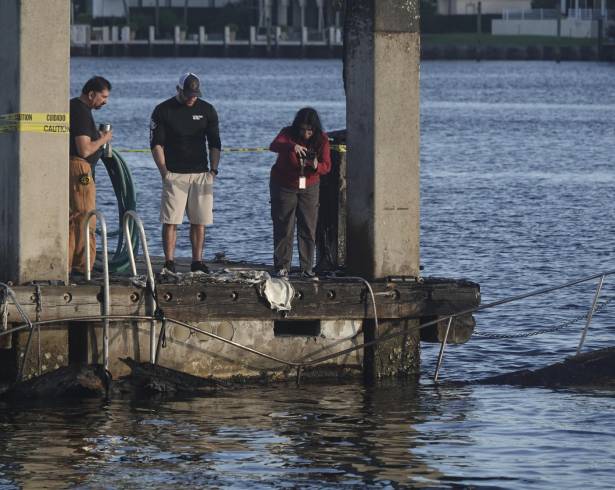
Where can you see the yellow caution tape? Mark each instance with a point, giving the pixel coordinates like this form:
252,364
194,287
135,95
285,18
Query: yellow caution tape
58,123
338,148
35,122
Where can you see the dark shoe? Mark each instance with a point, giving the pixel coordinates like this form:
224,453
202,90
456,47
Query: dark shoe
199,266
169,267
311,275
76,275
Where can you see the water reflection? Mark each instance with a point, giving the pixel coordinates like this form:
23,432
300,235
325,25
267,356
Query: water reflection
276,435
516,185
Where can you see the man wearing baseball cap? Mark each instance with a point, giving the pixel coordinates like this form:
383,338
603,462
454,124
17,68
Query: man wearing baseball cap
181,130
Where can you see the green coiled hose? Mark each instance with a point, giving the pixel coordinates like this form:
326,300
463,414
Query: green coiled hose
126,195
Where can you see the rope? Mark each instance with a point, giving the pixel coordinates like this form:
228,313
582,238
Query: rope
4,311
10,293
159,315
371,292
293,364
255,149
39,308
541,331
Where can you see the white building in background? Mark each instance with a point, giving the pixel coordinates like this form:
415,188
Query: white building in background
489,7
318,14
295,13
117,8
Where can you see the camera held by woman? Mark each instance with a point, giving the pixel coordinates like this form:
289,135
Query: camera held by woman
303,156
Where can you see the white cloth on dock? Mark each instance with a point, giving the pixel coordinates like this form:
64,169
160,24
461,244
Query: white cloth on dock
279,293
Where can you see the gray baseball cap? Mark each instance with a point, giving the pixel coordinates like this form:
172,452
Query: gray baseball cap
190,85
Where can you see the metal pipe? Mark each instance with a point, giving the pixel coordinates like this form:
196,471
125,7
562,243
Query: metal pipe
10,293
590,314
106,296
441,354
150,284
239,346
26,353
311,362
161,337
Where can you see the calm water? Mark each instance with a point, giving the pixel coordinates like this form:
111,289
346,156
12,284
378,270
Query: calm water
517,191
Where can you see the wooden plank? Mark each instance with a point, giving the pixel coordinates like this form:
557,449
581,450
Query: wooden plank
327,299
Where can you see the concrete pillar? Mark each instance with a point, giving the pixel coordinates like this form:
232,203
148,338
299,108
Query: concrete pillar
331,35
34,150
282,13
265,12
382,45
321,15
301,13
125,34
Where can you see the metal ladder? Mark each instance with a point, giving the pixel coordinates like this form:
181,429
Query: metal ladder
106,306
150,283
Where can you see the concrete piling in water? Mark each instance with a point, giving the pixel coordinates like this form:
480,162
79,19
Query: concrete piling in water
381,243
381,68
34,118
34,140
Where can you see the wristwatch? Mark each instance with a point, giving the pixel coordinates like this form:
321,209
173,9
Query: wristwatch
214,171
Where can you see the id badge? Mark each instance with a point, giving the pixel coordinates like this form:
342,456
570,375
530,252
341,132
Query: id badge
301,182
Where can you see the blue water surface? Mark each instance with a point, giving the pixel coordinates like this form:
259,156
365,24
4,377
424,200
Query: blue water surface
516,193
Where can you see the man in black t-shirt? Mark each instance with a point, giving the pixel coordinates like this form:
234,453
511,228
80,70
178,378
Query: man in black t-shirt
179,130
85,149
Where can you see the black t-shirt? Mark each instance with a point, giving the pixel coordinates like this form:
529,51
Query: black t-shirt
82,124
182,132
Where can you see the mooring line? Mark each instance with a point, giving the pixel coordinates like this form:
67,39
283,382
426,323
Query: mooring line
299,365
293,364
255,149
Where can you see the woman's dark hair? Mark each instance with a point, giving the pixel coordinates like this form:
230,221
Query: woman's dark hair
308,117
96,84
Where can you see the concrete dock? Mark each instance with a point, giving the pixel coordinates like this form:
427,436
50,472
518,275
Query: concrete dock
368,321
326,316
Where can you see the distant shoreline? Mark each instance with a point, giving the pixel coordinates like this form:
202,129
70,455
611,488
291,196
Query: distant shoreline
429,51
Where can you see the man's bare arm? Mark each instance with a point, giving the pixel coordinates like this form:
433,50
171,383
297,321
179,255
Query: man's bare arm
86,146
158,154
214,158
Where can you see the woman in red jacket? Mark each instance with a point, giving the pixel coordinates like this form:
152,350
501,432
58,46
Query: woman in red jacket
303,156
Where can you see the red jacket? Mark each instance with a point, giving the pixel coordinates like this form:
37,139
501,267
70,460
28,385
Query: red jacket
287,168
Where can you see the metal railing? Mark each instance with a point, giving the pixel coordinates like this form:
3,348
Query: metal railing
150,285
538,292
106,301
29,324
587,14
542,14
529,14
299,365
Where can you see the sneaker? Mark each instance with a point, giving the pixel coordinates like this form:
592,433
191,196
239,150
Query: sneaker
282,274
169,267
309,274
199,266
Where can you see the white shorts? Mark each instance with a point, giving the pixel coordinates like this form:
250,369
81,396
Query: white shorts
193,193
